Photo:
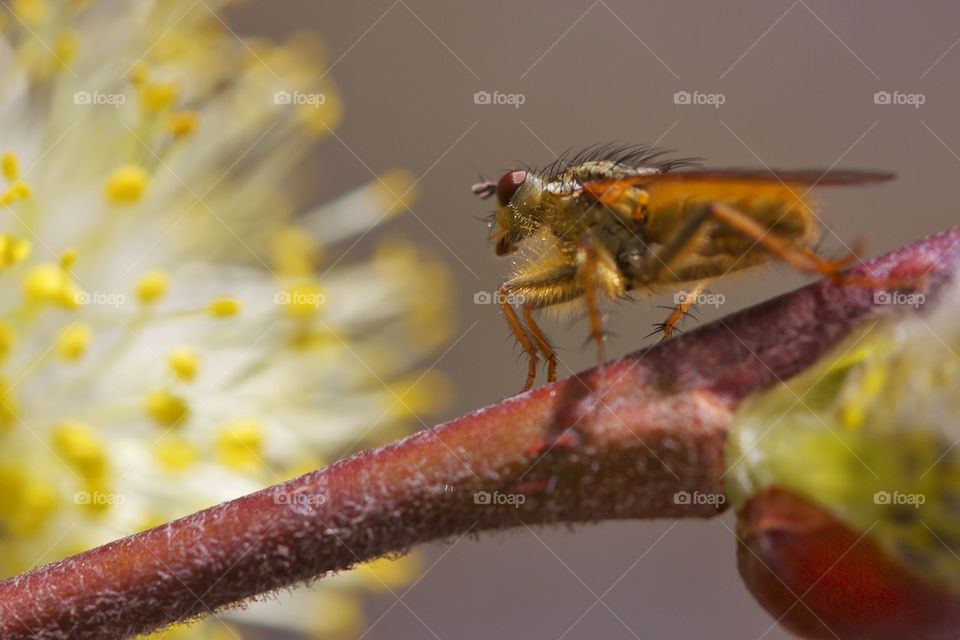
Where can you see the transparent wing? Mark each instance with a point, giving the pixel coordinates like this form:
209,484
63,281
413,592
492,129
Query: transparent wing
798,177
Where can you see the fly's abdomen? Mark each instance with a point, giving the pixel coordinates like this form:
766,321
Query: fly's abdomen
780,209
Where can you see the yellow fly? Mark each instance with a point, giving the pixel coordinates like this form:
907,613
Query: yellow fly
612,220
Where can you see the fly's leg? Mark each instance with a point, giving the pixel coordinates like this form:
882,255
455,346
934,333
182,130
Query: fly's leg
660,261
517,328
800,258
592,273
598,274
683,308
537,291
542,342
590,296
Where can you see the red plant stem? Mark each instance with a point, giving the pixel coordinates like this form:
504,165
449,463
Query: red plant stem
614,442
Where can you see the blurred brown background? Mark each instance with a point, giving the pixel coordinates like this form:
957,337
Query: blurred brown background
798,80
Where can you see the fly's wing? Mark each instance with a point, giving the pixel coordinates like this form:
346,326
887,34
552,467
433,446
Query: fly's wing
793,177
602,188
609,191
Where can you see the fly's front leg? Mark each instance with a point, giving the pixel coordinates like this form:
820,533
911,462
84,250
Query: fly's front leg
536,291
542,342
503,295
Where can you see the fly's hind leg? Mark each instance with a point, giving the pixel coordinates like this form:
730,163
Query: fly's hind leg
660,261
799,257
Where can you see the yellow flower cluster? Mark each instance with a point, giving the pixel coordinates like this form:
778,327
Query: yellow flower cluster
173,329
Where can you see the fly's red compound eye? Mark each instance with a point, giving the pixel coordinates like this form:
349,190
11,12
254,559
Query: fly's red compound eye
508,185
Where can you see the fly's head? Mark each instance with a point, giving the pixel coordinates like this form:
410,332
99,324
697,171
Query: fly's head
518,194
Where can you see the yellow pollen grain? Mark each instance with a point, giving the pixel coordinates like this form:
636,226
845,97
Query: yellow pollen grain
32,12
223,307
126,184
65,49
165,408
17,191
74,341
238,445
184,362
13,250
26,501
159,96
80,447
321,119
68,259
9,406
10,165
152,286
293,251
71,297
183,123
45,282
8,339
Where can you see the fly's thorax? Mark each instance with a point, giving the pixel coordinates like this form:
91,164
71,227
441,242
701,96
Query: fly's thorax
607,170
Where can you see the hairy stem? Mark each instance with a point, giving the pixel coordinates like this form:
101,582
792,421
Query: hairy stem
618,441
